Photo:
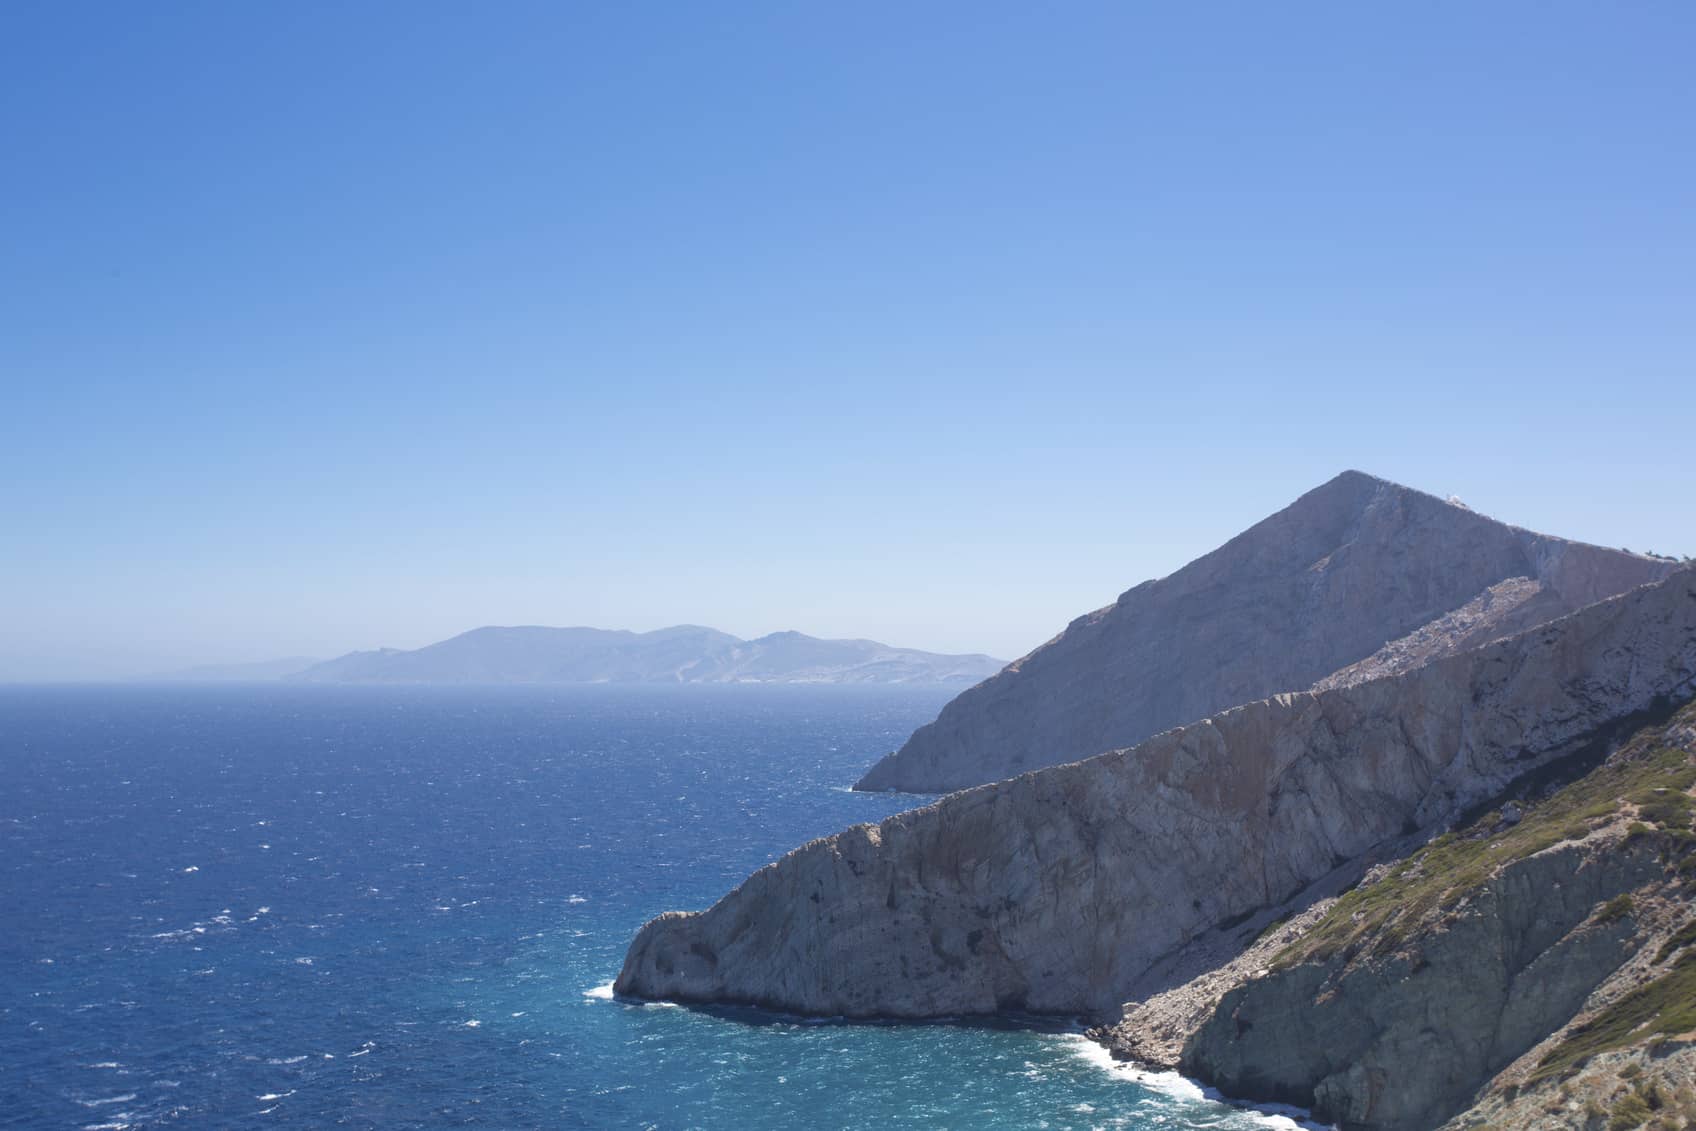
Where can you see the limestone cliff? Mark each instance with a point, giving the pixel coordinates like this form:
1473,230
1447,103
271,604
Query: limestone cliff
1528,971
1058,890
1358,574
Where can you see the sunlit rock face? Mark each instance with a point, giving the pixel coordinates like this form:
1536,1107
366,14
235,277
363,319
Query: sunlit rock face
1053,892
1357,579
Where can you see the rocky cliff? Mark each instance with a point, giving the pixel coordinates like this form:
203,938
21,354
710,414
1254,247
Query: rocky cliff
1060,890
1359,574
1530,970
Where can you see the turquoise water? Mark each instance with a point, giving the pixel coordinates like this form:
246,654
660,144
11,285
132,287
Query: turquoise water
272,906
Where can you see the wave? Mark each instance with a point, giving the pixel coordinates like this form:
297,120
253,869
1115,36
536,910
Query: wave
1180,1088
599,993
123,1099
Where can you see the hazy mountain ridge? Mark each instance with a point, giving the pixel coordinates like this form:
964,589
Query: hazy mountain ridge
680,654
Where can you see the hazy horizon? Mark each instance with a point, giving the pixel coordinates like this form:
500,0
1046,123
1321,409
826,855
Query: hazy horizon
935,326
238,659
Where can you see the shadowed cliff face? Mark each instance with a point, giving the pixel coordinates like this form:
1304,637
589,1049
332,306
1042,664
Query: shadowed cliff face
1054,891
1324,584
1485,971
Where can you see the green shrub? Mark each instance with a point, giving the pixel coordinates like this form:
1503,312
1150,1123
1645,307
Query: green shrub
1616,908
1681,938
1664,1007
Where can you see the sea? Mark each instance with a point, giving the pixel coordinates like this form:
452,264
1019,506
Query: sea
281,906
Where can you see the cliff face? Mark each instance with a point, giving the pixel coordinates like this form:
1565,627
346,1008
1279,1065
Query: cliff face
1487,971
1055,891
1404,1042
1357,572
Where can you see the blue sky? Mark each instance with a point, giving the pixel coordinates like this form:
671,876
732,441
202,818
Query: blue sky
334,326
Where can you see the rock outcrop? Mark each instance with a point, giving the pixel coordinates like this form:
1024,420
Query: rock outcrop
1056,891
1402,1043
1357,572
1478,978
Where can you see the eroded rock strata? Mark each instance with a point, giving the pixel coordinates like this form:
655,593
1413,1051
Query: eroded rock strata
1535,969
1058,890
1311,594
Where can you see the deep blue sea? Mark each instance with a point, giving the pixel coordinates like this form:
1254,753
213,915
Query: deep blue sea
296,907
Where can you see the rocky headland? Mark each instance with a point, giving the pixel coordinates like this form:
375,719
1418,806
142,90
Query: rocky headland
1449,883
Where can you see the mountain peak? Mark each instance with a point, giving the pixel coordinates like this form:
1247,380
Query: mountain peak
1358,577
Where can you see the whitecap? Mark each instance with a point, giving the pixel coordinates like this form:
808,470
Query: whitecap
303,962
473,1024
269,1096
123,1099
191,868
363,1049
577,899
599,993
1275,1117
286,1060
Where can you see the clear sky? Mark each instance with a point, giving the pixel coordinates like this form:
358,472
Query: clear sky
330,326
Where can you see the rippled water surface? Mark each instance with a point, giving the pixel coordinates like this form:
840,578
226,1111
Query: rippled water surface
274,906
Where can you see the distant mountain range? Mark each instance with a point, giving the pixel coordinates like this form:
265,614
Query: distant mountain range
682,654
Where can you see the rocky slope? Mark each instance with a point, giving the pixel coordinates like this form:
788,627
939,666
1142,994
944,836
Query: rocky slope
1536,969
1061,890
1358,574
683,654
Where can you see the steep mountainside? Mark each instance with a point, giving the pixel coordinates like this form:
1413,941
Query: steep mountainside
1358,574
1059,891
684,654
1535,969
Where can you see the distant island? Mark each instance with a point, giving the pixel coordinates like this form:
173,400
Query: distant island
681,654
